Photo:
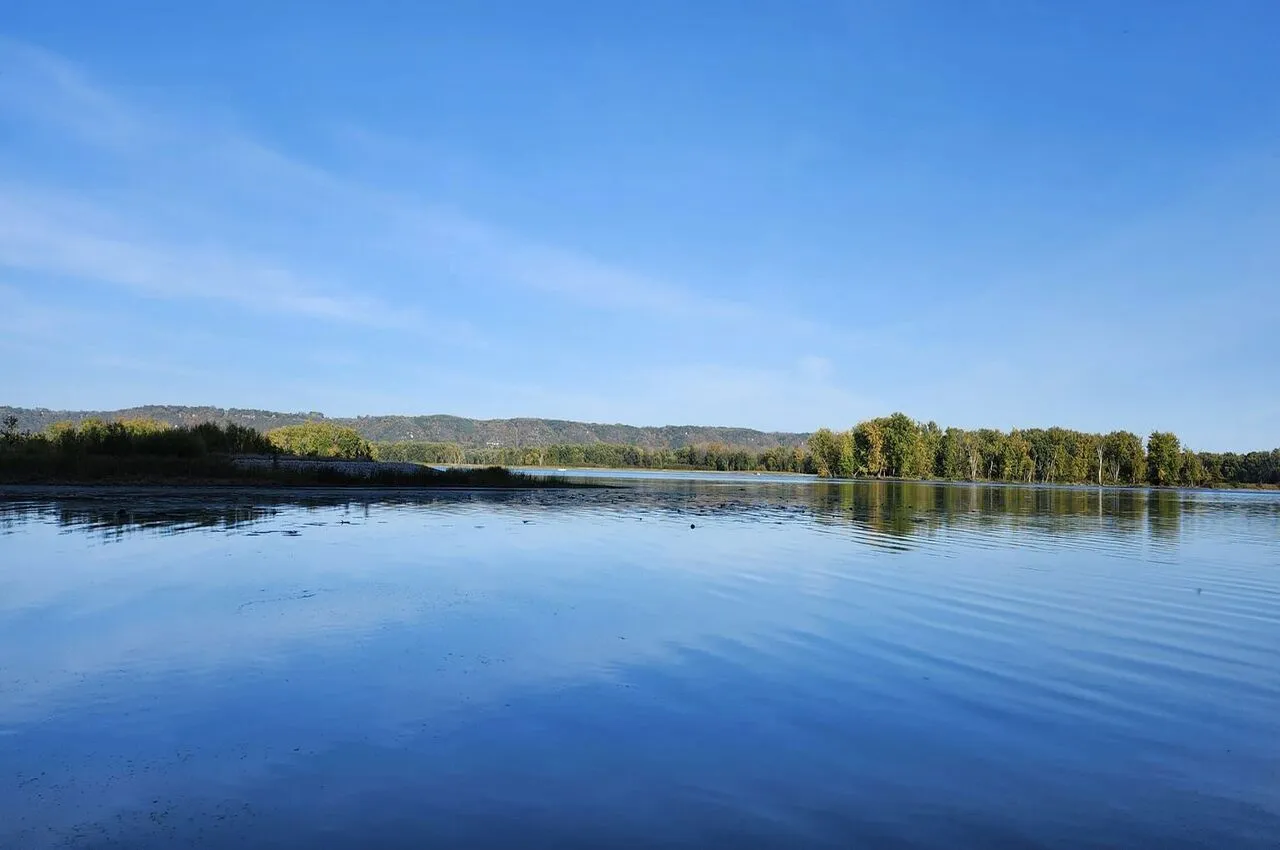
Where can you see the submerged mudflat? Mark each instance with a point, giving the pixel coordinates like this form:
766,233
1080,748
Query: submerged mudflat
677,662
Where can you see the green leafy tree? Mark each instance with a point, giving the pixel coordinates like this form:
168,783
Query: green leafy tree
902,445
1192,472
1164,459
954,452
991,442
1123,458
1017,461
868,445
825,448
847,463
144,426
928,452
321,439
973,452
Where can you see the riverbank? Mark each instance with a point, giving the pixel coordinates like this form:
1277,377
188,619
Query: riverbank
255,471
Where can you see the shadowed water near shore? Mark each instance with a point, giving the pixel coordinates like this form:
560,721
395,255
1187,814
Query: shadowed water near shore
676,662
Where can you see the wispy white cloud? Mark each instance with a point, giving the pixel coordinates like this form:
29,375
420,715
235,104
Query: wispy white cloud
38,85
185,210
40,234
214,174
501,256
60,231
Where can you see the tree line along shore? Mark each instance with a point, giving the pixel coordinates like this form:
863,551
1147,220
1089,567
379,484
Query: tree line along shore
899,447
140,451
894,446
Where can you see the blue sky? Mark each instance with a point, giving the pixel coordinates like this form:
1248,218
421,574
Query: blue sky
777,215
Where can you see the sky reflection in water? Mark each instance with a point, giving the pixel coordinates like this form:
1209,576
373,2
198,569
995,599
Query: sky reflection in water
897,664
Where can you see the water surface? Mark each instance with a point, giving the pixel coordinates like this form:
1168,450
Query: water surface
686,662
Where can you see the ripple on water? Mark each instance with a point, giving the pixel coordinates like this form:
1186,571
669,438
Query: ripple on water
811,665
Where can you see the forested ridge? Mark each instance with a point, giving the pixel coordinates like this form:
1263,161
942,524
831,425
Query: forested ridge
481,433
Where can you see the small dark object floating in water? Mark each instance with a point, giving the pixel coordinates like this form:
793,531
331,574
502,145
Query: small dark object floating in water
691,525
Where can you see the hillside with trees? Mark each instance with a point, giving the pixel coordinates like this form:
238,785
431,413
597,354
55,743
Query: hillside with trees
486,433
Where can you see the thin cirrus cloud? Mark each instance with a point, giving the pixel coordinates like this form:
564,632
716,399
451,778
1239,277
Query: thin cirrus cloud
138,236
40,86
39,234
49,230
492,253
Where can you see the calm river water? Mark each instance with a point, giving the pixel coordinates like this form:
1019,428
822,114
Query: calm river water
676,663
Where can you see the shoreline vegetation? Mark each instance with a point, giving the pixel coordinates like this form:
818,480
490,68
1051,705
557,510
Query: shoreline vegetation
323,453
148,452
900,448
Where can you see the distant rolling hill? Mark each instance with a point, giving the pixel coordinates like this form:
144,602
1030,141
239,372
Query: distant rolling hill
436,428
